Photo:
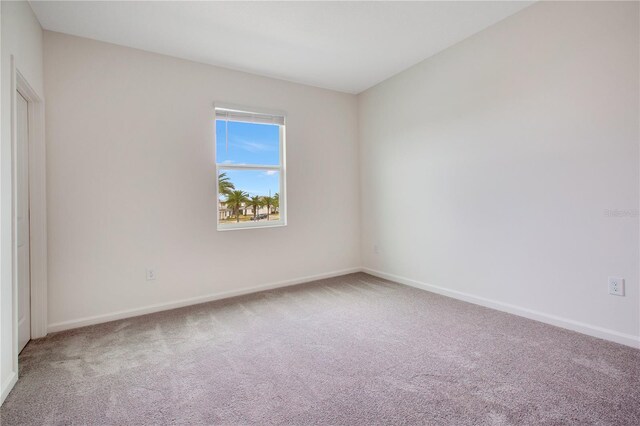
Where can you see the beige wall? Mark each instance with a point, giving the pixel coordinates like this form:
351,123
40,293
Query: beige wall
487,169
131,182
22,38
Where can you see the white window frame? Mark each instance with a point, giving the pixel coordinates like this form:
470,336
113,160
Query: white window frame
281,168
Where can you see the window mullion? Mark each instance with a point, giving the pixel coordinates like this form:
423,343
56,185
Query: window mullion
222,166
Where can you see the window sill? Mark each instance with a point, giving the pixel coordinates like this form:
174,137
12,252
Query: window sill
249,225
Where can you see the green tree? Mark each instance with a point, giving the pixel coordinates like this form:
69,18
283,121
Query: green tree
276,202
225,186
268,203
235,200
255,203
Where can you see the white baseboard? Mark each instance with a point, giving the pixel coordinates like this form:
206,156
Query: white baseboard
97,319
580,327
7,386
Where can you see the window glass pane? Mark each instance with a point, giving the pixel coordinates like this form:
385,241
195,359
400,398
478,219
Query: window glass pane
249,195
247,143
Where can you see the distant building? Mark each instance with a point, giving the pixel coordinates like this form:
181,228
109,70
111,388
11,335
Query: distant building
225,212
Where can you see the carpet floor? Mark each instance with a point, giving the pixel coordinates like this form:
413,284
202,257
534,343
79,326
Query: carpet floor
351,350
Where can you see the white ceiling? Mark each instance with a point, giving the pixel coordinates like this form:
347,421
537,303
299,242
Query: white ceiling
346,46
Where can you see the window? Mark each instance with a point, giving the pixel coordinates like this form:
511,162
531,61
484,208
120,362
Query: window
250,166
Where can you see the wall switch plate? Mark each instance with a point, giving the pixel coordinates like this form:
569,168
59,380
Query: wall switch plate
151,274
616,286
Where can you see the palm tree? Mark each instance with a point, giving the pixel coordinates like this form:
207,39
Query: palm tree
268,203
255,202
276,202
225,186
235,199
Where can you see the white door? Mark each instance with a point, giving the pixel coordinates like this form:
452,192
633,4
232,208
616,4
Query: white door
22,216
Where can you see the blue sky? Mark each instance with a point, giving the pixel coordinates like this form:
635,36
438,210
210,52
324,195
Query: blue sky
249,143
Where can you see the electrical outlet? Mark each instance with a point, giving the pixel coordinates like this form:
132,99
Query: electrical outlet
151,274
616,286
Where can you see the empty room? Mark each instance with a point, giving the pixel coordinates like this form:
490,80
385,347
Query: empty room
320,213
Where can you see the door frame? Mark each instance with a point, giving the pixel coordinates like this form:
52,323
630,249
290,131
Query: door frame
37,208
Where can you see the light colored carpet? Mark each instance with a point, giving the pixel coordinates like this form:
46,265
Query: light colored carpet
352,350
